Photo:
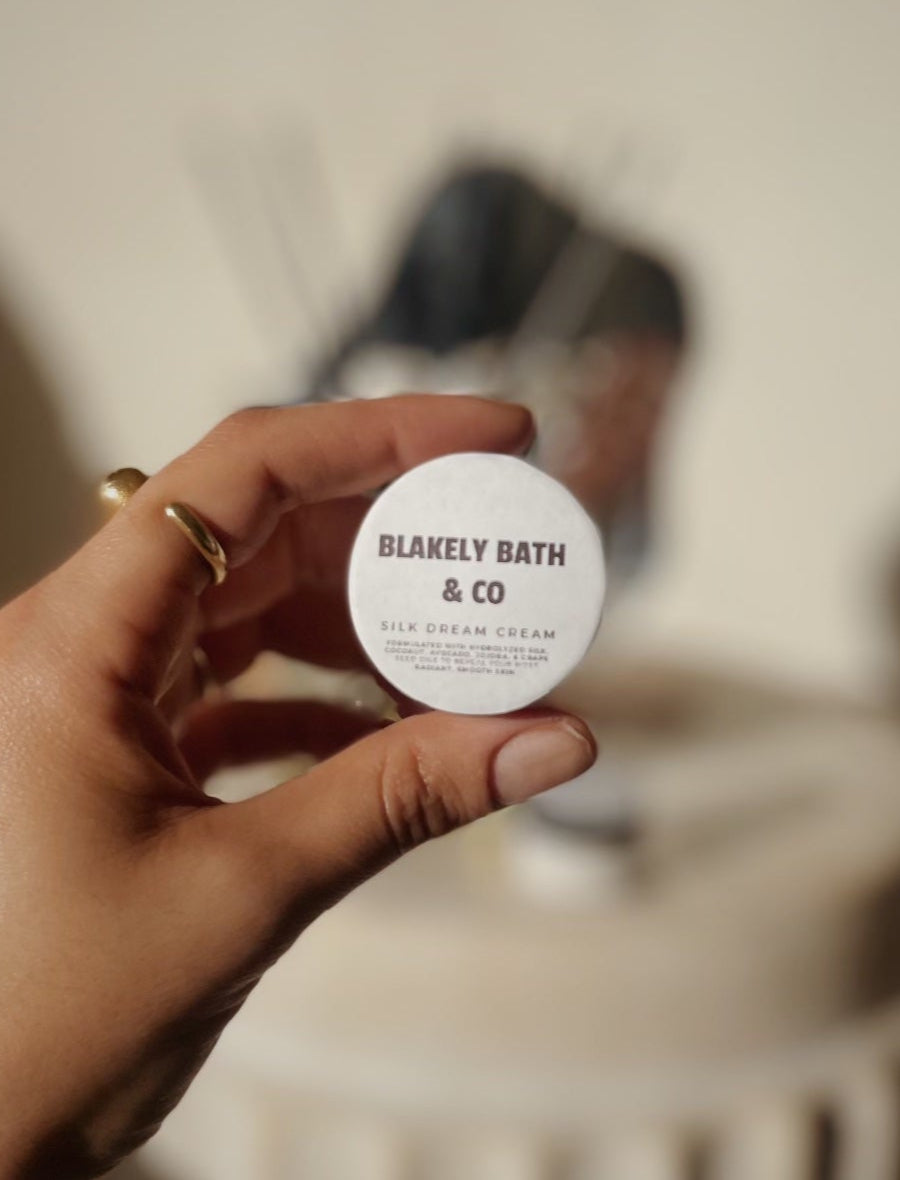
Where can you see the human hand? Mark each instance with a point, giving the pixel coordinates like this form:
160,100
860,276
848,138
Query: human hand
138,912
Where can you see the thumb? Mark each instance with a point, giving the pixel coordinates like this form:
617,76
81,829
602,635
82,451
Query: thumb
316,836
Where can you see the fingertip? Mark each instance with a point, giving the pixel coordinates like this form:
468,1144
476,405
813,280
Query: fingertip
545,755
518,422
504,425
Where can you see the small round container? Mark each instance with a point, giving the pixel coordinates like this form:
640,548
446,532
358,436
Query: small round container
476,583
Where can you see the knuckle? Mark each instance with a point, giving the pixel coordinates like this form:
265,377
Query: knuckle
239,422
421,799
229,434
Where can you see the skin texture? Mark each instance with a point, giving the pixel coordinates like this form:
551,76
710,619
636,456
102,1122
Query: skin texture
137,912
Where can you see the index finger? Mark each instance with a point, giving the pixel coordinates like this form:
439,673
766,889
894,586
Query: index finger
139,579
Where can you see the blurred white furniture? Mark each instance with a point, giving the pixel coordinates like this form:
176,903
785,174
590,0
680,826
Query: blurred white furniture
713,999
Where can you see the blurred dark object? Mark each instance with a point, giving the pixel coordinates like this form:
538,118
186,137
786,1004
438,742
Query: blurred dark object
487,244
44,508
501,284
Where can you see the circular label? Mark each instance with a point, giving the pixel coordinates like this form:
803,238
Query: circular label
476,583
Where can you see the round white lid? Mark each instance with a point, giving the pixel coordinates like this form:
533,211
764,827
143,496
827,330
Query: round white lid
476,583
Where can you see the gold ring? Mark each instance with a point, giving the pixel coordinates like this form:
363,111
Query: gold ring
206,679
118,488
115,491
201,538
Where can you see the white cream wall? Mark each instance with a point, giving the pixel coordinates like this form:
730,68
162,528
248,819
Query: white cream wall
781,485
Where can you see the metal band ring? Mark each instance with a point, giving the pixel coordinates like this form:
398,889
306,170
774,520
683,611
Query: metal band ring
201,538
118,488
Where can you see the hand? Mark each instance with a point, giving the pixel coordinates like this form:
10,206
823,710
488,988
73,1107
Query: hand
138,912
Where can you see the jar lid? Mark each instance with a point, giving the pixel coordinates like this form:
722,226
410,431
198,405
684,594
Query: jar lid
476,583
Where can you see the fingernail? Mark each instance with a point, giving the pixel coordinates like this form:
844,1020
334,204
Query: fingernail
525,437
540,758
529,434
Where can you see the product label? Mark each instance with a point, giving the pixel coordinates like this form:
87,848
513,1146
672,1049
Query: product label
476,583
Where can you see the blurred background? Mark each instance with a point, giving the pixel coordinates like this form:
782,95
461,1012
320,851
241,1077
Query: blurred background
671,230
